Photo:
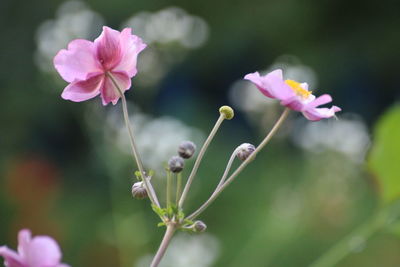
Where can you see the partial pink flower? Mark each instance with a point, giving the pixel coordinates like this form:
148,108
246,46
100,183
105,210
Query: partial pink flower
40,251
293,95
92,68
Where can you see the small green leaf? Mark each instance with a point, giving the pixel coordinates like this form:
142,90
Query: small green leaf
138,175
384,157
161,212
180,215
160,224
188,222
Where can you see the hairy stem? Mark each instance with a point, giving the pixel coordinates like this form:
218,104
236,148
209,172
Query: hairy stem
164,245
241,167
199,158
135,154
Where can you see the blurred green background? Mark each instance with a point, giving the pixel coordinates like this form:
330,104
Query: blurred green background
65,170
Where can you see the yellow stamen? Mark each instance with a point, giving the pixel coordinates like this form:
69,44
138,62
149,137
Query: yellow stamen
296,87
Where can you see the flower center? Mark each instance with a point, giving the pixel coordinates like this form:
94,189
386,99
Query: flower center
296,87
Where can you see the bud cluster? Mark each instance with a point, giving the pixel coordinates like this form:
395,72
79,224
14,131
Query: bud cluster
185,151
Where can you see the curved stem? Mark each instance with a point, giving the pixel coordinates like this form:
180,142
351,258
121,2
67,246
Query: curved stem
135,154
164,245
241,167
228,168
199,158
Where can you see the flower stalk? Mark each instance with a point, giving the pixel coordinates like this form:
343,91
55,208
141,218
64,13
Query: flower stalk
164,244
229,180
199,158
178,187
169,181
135,154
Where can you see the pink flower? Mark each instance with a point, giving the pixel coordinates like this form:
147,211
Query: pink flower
91,68
293,95
40,251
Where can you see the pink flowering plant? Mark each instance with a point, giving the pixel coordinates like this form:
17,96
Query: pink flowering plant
94,68
105,67
40,251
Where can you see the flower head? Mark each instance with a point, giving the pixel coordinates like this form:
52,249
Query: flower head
40,251
293,95
94,68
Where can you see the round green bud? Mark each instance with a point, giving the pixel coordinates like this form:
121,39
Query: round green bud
227,111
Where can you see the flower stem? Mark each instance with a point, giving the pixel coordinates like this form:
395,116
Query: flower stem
227,168
169,178
135,154
241,167
199,158
164,244
178,187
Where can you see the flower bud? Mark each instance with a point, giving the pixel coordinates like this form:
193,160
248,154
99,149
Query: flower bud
139,191
244,151
199,227
186,149
227,111
175,164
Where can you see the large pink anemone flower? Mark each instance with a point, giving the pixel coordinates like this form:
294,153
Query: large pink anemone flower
40,251
92,68
293,95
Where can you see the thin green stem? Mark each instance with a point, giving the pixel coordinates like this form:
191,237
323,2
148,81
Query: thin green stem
242,166
135,154
164,245
178,187
169,180
199,158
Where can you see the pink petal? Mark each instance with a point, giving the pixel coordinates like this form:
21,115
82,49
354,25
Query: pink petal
108,48
109,93
131,46
11,258
78,61
259,82
316,114
24,238
293,103
321,100
83,90
271,85
43,251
